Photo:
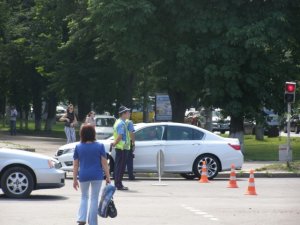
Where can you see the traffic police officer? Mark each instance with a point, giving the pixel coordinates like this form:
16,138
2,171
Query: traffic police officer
120,141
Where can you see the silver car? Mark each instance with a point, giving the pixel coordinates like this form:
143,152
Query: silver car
184,147
104,126
22,172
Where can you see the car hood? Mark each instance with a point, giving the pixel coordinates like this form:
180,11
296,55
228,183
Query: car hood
105,142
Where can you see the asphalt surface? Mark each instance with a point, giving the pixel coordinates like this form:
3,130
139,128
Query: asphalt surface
180,202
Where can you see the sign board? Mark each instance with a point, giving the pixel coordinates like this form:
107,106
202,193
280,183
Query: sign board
284,154
163,108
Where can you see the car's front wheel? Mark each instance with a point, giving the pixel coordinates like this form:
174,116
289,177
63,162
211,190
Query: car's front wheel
17,182
212,166
188,176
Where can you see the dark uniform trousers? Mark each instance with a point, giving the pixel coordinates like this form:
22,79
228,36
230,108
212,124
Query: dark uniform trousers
129,164
120,165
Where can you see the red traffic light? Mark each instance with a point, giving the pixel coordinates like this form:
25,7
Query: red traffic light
290,87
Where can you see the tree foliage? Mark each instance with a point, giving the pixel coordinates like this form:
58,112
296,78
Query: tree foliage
235,55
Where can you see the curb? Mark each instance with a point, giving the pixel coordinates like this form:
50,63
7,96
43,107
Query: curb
262,175
226,175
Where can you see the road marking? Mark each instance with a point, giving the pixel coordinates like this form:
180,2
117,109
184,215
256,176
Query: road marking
200,212
215,219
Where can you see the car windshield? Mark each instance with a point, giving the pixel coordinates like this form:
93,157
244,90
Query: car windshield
105,122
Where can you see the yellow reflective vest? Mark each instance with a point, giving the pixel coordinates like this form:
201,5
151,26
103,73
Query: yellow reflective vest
121,143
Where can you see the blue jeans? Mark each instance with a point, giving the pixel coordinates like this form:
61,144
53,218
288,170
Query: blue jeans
93,209
70,133
13,127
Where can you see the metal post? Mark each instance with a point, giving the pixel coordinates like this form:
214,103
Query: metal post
288,132
160,167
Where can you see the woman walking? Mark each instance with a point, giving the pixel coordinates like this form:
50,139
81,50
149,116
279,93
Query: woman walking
90,160
70,122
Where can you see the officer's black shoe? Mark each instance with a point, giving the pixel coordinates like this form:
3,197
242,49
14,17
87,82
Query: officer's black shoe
122,188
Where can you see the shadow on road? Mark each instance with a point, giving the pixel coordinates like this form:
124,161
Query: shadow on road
36,198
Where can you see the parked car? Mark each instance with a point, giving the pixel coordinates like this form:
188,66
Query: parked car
295,124
219,122
21,172
184,147
104,126
272,125
60,111
194,118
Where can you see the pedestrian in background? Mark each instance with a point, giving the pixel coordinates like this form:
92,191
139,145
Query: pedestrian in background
130,146
13,120
70,122
90,119
90,161
120,140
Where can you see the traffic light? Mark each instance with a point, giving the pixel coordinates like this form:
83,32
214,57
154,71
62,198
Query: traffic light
289,94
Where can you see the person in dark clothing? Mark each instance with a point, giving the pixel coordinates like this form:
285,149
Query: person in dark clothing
70,122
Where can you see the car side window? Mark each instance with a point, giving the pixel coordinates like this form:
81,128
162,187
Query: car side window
198,135
175,133
153,133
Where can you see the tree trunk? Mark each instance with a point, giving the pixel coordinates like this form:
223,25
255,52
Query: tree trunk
21,118
3,109
145,101
208,119
51,109
37,108
84,107
26,119
126,97
237,130
259,132
178,103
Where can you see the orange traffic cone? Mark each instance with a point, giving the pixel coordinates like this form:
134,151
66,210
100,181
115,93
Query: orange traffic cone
251,186
232,180
204,178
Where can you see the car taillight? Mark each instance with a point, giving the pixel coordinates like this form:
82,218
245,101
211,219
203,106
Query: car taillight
235,147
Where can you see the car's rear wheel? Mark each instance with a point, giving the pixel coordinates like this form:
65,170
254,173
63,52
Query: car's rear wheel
188,176
17,182
212,166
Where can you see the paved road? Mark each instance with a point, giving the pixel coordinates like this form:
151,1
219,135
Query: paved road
181,202
44,145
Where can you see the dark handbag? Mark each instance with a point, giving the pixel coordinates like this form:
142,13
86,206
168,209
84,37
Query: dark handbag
112,210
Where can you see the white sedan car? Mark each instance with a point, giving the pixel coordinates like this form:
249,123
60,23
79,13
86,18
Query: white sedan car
104,126
21,172
184,147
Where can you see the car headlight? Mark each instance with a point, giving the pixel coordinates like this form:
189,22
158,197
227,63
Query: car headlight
64,151
54,164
